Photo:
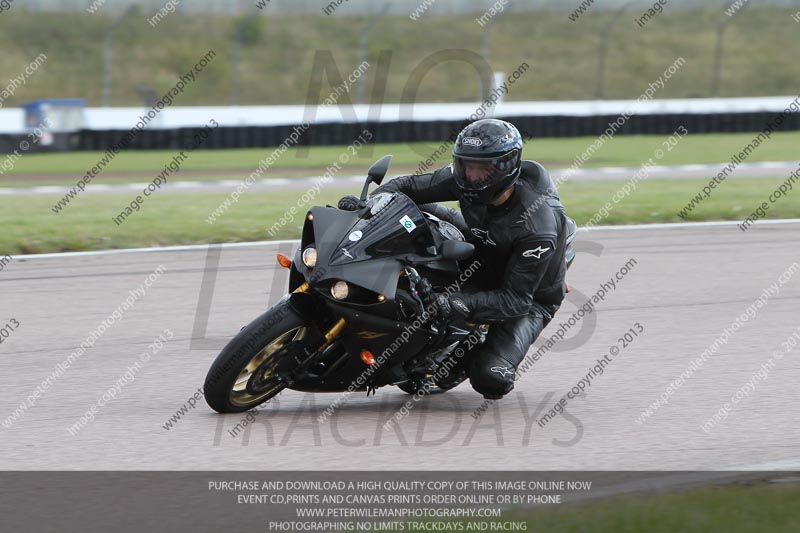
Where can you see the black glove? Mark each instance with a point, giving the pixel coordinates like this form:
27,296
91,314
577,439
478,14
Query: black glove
348,203
452,306
459,308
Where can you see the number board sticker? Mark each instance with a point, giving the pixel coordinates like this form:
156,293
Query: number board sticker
407,223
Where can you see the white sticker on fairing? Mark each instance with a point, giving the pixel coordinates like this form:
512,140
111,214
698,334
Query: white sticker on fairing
407,223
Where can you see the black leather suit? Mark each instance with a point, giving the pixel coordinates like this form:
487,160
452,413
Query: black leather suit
521,245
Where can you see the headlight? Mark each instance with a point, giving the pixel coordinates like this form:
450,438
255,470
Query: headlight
340,290
310,257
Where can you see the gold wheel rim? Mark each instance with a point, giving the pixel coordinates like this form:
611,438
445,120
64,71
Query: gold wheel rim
239,396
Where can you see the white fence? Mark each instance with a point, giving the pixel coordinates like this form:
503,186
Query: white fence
105,118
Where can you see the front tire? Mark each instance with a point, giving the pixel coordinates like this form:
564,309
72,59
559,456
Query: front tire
244,374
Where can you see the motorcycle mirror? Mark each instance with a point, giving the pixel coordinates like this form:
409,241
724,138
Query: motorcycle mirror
375,174
457,250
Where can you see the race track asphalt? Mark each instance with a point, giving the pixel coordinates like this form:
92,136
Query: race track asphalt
686,285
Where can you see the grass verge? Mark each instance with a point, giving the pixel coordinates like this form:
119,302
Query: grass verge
168,219
622,150
729,509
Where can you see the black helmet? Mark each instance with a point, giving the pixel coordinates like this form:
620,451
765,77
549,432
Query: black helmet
487,158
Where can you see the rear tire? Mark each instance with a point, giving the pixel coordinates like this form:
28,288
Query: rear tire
244,375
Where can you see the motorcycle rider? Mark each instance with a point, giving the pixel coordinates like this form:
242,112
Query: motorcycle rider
520,230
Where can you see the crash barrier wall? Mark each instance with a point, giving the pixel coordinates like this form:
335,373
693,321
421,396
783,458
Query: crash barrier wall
410,131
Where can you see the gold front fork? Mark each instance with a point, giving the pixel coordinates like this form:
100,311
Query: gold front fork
302,288
336,330
333,333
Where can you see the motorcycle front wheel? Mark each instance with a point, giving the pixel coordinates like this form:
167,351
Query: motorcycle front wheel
245,373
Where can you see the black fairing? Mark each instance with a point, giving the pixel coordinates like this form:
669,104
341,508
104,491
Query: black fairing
395,226
378,240
372,260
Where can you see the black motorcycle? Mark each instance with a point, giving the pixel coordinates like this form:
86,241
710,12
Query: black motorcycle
360,310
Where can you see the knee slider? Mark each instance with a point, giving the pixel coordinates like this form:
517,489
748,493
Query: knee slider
492,375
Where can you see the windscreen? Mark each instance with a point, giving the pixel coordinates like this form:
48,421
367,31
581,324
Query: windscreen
393,226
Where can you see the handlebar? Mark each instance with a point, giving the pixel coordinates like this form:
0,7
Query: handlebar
422,290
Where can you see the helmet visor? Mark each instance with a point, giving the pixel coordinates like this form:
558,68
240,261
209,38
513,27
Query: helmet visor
478,173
